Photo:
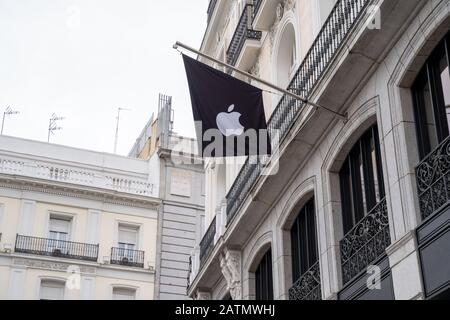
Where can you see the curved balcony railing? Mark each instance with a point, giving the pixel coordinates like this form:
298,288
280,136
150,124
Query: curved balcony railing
56,248
308,286
333,33
211,8
242,33
433,180
365,243
207,243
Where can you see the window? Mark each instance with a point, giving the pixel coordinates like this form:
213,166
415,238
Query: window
124,294
59,234
52,290
361,179
304,241
59,229
127,238
127,243
431,94
263,278
286,56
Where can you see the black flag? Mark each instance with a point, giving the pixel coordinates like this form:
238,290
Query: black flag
229,113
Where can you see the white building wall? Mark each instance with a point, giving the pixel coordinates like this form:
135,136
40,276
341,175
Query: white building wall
383,98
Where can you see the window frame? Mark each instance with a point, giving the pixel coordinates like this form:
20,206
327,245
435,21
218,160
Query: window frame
362,198
430,73
264,278
61,282
304,223
124,288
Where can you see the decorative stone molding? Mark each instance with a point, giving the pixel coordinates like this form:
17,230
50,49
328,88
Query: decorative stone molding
282,8
230,264
255,70
201,295
68,191
49,265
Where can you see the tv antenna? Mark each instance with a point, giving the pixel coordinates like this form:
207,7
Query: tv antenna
53,125
117,127
8,112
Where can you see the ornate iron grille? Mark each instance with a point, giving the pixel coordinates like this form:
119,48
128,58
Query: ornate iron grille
56,248
241,34
127,257
308,286
433,180
207,243
366,242
334,31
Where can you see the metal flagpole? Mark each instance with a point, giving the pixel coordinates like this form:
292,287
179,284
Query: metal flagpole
264,82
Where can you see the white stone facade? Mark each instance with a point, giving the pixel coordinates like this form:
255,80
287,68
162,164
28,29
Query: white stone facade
83,200
369,78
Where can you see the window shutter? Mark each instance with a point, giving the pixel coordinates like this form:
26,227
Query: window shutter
127,235
59,225
124,294
52,290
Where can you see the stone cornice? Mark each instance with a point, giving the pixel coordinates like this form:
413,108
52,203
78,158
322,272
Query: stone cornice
75,191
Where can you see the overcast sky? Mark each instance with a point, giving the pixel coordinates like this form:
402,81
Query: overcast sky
82,59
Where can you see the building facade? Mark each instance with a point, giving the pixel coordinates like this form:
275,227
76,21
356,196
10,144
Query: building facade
181,188
355,203
75,224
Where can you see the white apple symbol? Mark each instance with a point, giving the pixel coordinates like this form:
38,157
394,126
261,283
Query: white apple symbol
228,123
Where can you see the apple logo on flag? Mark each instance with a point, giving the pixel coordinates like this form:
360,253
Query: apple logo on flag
228,123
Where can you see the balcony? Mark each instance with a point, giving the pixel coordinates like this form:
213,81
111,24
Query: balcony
308,286
264,13
127,257
211,8
56,248
433,234
245,41
72,174
433,180
207,243
329,41
365,243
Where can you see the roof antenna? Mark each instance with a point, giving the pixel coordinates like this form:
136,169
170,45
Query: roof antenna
117,127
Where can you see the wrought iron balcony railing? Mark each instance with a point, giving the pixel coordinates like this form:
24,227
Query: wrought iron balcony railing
56,248
127,257
243,32
365,243
308,286
211,7
433,180
207,243
333,33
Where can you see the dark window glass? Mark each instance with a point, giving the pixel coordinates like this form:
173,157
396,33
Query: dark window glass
304,241
263,278
361,179
431,92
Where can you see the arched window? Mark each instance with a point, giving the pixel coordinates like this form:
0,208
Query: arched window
361,179
304,241
431,93
287,56
263,278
